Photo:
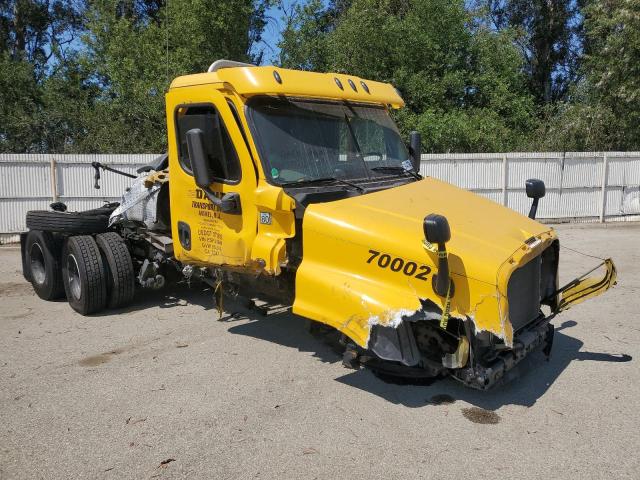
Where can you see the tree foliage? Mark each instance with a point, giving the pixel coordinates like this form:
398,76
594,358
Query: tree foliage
547,35
603,112
461,81
479,75
107,94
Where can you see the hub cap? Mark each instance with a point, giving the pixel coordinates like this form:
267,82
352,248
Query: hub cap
38,272
73,277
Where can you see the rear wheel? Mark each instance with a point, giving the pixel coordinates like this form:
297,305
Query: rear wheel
42,264
84,275
119,269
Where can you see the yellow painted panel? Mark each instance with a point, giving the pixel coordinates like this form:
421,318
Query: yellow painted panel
588,286
344,280
249,81
217,238
276,223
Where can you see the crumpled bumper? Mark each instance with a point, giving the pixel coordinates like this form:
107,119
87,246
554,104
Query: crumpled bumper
482,377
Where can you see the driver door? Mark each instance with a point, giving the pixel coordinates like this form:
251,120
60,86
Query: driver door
202,233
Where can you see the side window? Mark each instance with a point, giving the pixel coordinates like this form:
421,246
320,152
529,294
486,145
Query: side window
203,117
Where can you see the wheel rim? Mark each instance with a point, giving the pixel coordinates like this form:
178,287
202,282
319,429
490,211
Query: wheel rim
73,276
38,270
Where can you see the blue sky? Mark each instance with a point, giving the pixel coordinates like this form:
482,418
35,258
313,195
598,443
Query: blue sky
271,35
273,30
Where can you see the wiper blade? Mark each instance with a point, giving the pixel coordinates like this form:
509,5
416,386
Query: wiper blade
311,181
392,169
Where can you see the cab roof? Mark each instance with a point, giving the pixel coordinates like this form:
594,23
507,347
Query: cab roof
248,80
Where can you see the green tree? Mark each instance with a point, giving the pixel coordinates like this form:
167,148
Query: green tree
548,37
604,108
136,48
612,64
36,39
304,38
462,82
20,102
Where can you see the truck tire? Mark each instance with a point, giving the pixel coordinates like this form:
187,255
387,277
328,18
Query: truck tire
42,264
26,271
83,274
67,222
119,269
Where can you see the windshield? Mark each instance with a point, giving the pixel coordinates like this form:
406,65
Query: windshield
306,140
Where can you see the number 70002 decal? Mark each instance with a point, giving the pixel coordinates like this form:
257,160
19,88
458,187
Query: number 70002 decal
397,264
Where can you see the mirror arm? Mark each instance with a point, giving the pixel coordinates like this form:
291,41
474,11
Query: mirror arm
534,208
442,280
229,203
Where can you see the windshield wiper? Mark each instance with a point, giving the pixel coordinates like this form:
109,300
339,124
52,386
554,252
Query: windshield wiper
311,181
391,169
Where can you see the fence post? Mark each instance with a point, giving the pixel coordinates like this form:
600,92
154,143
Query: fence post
54,179
505,176
603,192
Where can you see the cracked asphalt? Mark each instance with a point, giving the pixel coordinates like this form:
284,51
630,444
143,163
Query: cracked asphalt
165,390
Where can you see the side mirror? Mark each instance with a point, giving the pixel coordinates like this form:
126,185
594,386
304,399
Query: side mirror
204,174
535,189
415,149
437,231
202,171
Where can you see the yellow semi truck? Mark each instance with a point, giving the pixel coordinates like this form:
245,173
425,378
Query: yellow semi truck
296,187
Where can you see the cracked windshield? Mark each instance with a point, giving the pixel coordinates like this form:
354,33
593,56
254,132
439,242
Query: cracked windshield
303,141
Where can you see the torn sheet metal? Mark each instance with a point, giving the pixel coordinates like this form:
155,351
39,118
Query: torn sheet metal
587,286
139,203
395,342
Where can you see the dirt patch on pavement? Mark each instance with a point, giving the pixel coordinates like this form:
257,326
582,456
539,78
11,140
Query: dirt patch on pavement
480,415
15,289
95,360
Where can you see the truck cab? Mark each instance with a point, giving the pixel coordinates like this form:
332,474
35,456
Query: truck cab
276,141
298,188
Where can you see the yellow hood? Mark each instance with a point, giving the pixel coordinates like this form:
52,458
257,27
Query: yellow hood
359,255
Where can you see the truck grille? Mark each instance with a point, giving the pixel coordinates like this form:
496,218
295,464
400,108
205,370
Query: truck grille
523,293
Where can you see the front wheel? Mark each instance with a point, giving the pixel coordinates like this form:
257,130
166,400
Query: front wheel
84,275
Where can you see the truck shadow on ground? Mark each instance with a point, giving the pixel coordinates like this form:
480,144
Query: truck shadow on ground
174,295
525,384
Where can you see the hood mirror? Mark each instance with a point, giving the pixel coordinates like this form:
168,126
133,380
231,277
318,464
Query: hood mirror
437,232
535,189
436,229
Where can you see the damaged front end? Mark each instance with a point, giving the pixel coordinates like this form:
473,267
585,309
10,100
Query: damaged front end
421,345
470,301
479,360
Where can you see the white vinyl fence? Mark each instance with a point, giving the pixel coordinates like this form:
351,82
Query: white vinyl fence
32,182
585,186
581,186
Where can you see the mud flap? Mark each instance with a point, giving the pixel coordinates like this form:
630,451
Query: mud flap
586,286
395,344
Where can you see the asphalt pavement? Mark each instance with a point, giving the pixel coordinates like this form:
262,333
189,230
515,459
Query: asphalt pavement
163,389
